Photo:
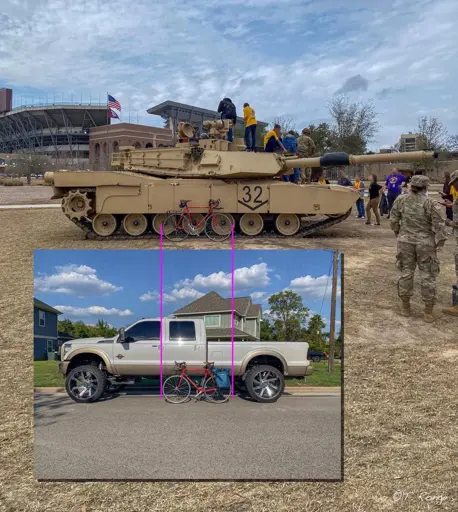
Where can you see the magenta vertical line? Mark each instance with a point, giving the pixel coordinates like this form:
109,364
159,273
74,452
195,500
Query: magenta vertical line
160,309
232,310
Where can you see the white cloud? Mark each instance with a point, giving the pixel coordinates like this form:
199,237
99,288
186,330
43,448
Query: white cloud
77,280
313,287
93,311
176,295
246,277
257,295
163,47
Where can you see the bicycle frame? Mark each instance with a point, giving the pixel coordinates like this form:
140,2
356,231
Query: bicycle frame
200,389
186,212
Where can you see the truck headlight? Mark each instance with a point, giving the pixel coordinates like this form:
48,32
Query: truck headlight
66,348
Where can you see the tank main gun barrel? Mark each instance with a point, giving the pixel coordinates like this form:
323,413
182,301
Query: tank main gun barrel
342,159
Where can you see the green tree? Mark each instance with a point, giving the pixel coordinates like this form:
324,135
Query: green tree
287,309
322,136
267,332
80,330
315,335
65,325
103,329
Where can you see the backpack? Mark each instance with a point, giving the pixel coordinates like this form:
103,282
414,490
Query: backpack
222,378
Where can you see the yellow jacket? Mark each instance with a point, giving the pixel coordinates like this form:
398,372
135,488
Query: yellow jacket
249,116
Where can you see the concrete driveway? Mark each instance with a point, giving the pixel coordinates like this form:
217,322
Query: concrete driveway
143,437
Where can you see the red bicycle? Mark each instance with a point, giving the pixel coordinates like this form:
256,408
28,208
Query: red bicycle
179,225
177,388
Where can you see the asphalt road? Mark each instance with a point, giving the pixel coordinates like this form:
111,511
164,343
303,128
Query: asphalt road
143,437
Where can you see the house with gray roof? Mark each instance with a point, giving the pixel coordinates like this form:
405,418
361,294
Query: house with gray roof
215,311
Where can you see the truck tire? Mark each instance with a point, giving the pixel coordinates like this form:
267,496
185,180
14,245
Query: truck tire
265,383
92,383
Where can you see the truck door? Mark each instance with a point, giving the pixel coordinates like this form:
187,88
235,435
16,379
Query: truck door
139,354
184,341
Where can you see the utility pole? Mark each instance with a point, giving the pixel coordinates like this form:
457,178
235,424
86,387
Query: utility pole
332,333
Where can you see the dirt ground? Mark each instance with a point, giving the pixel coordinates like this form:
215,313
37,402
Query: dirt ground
400,383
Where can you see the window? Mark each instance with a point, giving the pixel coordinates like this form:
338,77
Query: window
50,346
182,331
212,321
41,318
143,331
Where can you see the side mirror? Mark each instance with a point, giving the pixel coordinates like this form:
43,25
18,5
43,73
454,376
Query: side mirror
122,335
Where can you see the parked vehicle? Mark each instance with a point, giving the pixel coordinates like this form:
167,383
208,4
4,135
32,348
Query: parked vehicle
91,364
316,355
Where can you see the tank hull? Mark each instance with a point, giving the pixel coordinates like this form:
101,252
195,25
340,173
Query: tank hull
122,193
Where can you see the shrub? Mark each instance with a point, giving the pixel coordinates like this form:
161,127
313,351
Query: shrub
13,183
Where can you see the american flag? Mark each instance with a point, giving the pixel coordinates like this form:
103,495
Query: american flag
114,103
112,114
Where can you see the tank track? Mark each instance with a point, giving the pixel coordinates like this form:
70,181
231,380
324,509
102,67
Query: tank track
303,232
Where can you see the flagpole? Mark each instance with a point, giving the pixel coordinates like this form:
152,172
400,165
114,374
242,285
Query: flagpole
106,135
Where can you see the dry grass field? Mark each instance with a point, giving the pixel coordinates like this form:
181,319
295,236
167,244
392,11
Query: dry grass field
400,382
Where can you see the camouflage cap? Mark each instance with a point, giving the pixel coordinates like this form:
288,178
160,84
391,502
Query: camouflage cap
419,181
306,131
453,177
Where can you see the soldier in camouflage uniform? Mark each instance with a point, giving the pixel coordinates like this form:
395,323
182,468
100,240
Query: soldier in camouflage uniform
305,149
420,230
454,223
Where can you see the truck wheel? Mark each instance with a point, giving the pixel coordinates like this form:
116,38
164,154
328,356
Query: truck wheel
316,359
85,383
265,383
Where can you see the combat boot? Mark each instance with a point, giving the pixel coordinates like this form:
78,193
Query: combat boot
428,315
405,307
453,310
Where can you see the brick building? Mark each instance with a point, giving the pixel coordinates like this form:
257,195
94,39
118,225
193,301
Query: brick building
106,140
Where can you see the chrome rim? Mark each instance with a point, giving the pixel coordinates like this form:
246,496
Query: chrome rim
83,384
266,384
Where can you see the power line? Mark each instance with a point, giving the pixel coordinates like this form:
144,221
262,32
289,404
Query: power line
327,281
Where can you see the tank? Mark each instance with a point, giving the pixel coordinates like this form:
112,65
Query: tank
143,186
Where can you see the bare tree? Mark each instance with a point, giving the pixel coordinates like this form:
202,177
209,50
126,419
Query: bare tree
354,124
435,136
29,163
286,123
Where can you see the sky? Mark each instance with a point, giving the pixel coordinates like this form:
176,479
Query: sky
284,57
123,286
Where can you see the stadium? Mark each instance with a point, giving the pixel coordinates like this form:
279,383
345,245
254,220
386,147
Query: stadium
59,131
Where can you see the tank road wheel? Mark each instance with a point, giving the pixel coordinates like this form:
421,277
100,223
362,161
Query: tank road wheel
104,224
251,224
231,218
135,224
159,219
76,204
287,224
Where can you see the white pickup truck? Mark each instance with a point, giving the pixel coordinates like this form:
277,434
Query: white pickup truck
92,366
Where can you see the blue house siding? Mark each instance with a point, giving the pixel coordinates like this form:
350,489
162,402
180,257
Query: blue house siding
44,330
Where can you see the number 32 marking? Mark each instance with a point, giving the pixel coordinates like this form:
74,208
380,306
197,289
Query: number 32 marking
252,197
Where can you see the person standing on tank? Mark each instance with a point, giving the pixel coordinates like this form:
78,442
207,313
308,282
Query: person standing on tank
420,230
289,141
250,127
454,224
393,185
228,111
272,142
305,149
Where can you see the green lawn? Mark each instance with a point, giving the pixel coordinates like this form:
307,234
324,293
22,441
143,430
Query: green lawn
46,374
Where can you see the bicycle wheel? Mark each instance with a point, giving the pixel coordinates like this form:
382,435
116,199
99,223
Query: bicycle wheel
213,393
174,230
218,227
176,392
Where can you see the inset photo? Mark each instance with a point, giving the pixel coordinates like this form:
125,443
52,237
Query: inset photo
227,361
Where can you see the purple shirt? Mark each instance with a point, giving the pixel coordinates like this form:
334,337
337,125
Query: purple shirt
394,183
